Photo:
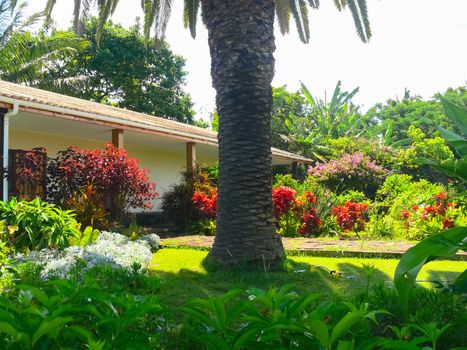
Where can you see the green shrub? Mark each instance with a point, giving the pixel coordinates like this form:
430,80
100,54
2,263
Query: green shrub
177,202
6,277
36,225
77,316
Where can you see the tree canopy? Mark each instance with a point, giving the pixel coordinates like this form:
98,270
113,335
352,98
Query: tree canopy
121,71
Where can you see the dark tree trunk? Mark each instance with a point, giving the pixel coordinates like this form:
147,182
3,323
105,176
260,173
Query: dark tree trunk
241,41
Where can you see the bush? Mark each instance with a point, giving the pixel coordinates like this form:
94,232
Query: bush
6,277
36,225
385,156
401,204
69,315
177,202
351,172
91,181
351,216
110,249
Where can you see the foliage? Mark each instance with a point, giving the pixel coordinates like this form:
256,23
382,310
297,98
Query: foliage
453,167
431,218
109,248
206,204
286,105
85,237
177,202
277,318
398,193
352,171
445,244
388,157
26,58
6,277
76,316
122,72
79,178
421,114
36,225
308,134
351,216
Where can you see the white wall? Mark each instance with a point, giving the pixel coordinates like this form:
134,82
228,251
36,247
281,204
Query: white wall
164,165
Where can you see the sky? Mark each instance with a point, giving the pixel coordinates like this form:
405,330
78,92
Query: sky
416,44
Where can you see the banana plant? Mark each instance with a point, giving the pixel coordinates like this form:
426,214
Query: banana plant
326,120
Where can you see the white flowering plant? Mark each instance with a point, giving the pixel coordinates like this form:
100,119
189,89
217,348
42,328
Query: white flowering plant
112,249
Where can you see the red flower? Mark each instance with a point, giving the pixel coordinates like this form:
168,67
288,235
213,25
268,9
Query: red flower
351,216
310,223
448,223
283,198
405,214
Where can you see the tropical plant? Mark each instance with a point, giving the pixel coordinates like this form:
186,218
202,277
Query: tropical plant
76,316
100,176
36,225
277,319
324,120
177,201
241,41
453,167
25,58
445,244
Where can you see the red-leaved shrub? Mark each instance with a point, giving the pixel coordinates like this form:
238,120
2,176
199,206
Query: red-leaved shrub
116,179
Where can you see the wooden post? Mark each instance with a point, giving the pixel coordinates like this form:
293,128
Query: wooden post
190,156
117,137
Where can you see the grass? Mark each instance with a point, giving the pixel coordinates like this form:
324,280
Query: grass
184,276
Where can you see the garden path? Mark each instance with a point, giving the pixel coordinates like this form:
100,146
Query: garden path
314,246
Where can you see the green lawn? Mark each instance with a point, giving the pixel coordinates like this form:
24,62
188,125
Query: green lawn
183,275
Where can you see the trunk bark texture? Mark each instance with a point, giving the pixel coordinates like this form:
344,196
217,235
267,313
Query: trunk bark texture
241,41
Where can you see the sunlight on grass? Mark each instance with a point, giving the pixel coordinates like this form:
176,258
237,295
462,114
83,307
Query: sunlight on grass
174,260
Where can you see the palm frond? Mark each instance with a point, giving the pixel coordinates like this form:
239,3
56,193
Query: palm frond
106,8
362,29
300,14
149,9
31,20
314,3
283,15
365,18
49,6
162,17
190,15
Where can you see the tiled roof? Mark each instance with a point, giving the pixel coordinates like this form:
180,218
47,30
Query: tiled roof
43,100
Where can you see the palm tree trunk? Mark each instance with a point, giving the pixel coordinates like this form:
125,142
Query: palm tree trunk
241,41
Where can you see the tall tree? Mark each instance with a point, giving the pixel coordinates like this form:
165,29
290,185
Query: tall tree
125,73
241,42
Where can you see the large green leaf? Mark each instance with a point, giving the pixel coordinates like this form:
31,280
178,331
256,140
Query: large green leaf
457,114
456,141
445,244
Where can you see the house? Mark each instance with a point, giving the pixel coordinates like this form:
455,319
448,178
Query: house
32,118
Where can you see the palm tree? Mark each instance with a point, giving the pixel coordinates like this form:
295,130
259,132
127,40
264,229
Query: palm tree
24,58
241,42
